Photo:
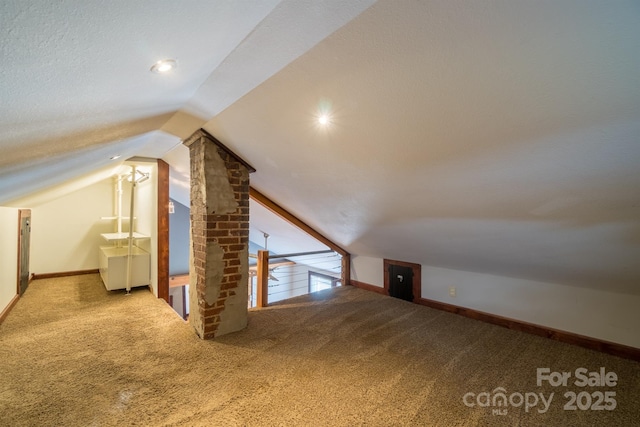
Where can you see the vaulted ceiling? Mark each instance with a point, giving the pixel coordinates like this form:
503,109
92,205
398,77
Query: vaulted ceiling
496,136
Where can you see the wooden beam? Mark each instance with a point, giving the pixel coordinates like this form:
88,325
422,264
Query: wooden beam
292,219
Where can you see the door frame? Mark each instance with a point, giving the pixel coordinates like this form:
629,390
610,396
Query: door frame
22,214
163,230
417,278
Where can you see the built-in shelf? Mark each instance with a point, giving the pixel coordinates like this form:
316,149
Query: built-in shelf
109,237
113,267
116,217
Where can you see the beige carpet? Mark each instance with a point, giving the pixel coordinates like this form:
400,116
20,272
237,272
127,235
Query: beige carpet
72,354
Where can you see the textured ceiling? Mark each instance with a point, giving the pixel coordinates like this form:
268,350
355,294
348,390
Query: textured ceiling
499,137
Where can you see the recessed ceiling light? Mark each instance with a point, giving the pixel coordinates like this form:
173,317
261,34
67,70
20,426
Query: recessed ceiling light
164,66
323,119
117,156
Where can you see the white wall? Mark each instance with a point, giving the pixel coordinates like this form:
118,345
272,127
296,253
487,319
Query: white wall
603,315
8,255
367,270
65,233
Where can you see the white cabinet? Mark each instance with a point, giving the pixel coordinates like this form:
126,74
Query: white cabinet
113,267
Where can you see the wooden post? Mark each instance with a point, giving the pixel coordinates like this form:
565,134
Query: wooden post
163,230
346,269
262,299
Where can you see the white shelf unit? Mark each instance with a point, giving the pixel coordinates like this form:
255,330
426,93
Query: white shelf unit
124,265
113,262
119,237
113,267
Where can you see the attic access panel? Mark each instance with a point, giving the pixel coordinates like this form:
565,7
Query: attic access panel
399,287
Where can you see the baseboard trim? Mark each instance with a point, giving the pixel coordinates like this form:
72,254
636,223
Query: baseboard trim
63,274
368,287
543,331
602,346
9,307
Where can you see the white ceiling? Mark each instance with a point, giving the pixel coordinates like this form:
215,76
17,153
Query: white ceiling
499,137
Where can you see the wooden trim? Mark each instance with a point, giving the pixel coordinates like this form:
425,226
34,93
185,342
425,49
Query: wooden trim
180,280
293,220
602,346
64,274
9,307
163,230
417,276
368,287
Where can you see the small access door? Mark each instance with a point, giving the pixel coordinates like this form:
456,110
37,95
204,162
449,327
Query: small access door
401,282
24,239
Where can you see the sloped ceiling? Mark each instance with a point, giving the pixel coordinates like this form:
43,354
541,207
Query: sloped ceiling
500,137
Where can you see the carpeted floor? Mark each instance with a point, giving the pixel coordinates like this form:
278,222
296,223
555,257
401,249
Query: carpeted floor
72,354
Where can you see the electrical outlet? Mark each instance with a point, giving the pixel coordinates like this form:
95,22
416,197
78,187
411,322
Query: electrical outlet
452,291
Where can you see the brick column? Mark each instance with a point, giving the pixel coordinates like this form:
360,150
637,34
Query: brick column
219,260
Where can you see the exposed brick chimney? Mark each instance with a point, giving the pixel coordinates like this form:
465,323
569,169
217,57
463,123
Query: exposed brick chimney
219,260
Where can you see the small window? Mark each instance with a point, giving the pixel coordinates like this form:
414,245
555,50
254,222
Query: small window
319,281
